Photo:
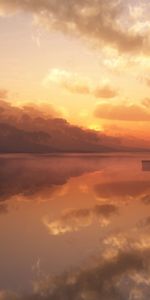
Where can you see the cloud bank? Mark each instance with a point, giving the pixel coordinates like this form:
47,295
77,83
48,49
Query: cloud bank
31,129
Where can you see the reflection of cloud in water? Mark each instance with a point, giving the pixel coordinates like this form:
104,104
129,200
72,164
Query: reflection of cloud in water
119,189
3,208
146,199
121,270
30,175
6,295
74,219
125,275
145,223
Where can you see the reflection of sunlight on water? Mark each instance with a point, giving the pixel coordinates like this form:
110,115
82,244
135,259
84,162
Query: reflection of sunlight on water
79,224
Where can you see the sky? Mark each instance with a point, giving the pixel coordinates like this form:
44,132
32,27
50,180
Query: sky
87,60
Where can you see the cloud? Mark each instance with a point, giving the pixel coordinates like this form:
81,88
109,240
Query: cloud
96,21
122,112
15,114
34,129
146,103
74,83
70,81
3,94
74,220
105,92
147,81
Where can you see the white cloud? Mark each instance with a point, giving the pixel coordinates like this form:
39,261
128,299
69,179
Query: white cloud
74,83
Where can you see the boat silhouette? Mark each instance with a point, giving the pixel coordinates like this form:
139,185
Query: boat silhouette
146,165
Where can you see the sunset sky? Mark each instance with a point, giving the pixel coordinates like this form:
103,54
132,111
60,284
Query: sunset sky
88,60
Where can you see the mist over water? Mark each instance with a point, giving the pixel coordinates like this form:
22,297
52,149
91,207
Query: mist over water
74,227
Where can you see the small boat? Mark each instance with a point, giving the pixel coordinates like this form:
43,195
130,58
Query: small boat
146,165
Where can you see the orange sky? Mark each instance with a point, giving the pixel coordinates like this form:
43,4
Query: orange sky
89,60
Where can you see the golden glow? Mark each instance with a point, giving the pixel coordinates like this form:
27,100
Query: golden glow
96,127
46,65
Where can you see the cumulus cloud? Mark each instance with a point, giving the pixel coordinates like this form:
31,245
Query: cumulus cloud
74,220
74,83
122,112
96,21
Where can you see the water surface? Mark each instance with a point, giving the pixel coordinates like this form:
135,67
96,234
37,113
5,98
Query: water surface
74,227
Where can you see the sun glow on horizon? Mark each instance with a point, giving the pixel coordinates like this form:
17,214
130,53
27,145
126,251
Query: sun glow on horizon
96,79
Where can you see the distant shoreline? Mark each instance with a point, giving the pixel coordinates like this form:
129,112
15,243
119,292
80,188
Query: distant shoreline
65,154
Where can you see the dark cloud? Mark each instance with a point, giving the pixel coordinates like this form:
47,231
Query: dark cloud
98,21
122,112
29,129
40,129
16,140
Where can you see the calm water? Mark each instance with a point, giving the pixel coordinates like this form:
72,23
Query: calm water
74,227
